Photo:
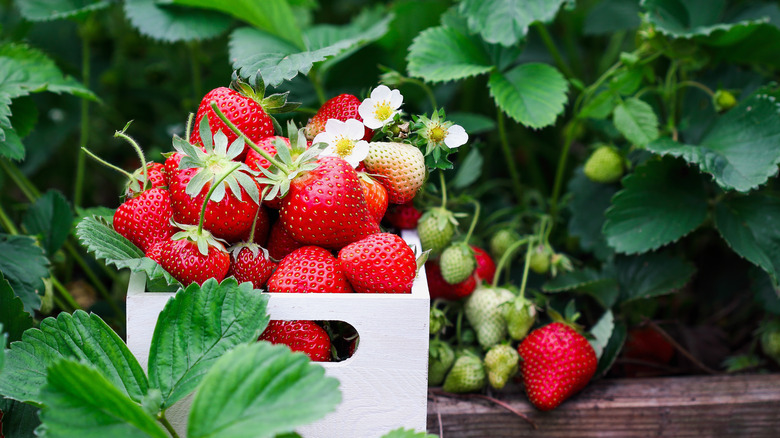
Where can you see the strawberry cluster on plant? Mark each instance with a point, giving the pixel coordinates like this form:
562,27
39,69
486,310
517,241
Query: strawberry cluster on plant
296,209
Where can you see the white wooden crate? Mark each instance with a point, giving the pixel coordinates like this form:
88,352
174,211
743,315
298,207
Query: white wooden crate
384,383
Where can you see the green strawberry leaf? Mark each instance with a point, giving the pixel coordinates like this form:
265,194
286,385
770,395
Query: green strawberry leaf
407,433
471,122
588,202
12,314
469,170
51,218
532,94
609,16
702,18
740,151
506,22
612,349
651,275
196,328
24,265
19,419
662,201
750,225
262,388
273,16
40,74
78,400
113,248
602,286
46,10
636,120
602,333
79,336
765,292
167,22
3,344
442,54
599,106
256,51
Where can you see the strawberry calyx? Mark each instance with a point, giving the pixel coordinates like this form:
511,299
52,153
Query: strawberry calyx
569,318
255,89
202,238
251,246
216,165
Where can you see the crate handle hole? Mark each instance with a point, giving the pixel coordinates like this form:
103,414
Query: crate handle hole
314,337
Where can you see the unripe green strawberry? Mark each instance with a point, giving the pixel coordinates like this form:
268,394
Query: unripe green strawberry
770,339
540,259
501,362
438,320
502,240
723,100
466,375
436,228
457,263
483,311
440,359
605,165
519,315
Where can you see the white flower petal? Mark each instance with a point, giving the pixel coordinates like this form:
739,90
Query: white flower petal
323,137
354,129
335,126
396,99
381,92
359,153
456,137
366,111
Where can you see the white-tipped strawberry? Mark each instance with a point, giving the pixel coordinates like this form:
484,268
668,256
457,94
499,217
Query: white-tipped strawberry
397,166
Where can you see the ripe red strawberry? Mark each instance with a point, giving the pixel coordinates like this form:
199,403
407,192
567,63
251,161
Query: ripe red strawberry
191,256
403,216
486,267
309,269
557,362
229,219
376,196
255,161
244,109
342,107
304,336
400,168
379,263
262,227
280,242
156,177
326,207
146,218
249,262
172,160
438,288
647,345
155,251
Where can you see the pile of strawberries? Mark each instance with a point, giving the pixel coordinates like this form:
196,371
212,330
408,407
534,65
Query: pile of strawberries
296,213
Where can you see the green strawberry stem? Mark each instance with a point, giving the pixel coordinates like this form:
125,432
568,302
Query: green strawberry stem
210,192
121,134
282,168
443,190
106,163
506,257
257,214
188,127
477,208
528,250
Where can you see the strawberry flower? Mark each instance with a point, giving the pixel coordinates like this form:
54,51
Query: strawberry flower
343,139
381,108
436,131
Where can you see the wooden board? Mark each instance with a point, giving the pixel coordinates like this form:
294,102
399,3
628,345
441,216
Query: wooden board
383,384
706,406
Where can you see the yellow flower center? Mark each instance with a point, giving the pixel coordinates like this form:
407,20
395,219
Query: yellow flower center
437,134
344,146
383,111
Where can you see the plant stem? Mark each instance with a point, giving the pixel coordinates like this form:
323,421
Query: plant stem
316,82
197,82
121,134
84,129
443,184
107,164
24,184
510,161
505,259
65,293
7,223
473,224
698,85
556,193
529,249
162,419
210,192
248,141
550,44
612,51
